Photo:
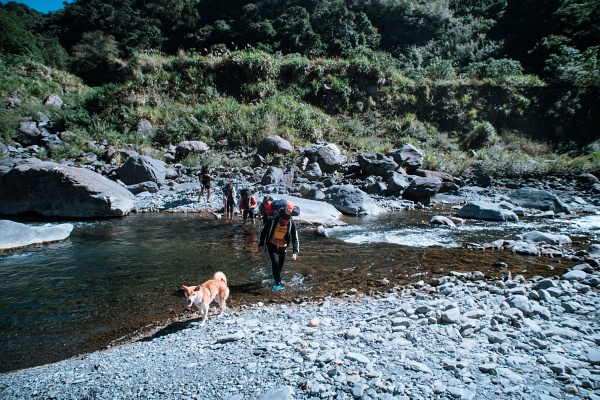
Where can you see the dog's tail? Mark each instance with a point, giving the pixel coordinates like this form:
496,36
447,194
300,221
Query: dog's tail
219,276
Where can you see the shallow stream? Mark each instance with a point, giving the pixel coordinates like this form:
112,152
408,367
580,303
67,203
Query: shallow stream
115,279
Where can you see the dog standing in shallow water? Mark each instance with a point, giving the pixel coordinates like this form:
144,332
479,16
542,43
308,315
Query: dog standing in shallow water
214,289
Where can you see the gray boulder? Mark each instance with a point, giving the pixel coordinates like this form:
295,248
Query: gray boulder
594,250
422,189
186,148
398,182
524,247
376,164
313,171
486,211
327,155
51,189
352,201
548,238
539,200
138,188
408,157
140,169
53,100
14,235
145,128
274,145
441,220
314,212
272,175
29,133
425,173
3,151
51,142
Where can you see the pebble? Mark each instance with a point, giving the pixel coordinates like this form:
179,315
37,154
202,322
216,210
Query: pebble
534,339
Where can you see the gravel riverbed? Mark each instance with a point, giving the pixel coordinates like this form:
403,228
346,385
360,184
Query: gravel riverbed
462,336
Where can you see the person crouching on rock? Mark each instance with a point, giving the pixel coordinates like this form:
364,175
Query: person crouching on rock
277,234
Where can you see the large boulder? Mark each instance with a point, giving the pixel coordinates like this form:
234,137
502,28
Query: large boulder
422,189
29,133
51,189
140,169
351,201
328,156
188,147
376,164
398,182
314,212
273,145
272,175
538,199
14,235
408,157
486,211
313,172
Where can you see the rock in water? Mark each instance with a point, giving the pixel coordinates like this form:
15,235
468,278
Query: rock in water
14,235
51,189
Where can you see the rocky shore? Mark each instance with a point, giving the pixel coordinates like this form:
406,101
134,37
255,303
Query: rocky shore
457,337
466,335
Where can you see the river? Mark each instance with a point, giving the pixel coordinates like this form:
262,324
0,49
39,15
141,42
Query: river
115,280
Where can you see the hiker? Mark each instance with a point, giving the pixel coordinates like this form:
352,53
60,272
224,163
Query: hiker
229,201
247,205
277,233
262,208
205,178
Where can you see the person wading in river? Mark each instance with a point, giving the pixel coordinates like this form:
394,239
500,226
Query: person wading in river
247,205
229,202
205,178
277,233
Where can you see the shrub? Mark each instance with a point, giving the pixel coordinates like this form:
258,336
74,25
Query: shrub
480,134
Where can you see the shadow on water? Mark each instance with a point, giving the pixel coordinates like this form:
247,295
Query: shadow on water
115,280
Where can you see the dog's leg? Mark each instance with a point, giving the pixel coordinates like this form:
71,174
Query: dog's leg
223,307
204,313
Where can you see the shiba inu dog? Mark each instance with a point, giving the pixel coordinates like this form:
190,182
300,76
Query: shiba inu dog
214,289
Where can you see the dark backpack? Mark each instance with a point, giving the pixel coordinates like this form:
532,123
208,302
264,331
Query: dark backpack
275,205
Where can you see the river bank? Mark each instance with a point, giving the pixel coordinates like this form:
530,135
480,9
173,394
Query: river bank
357,298
458,336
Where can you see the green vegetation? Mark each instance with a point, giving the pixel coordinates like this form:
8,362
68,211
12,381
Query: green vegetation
478,85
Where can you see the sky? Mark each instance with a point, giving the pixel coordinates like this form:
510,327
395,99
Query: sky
43,6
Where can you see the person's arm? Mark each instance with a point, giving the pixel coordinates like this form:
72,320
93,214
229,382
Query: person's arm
252,203
263,232
295,241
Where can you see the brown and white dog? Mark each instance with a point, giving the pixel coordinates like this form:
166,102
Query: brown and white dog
214,289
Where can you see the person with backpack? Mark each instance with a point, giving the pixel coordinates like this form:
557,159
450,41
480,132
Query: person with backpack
277,234
205,179
247,205
229,201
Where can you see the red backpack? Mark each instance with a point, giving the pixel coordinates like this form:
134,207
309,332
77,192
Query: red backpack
273,206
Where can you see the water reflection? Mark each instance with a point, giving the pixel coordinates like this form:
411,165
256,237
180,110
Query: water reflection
115,277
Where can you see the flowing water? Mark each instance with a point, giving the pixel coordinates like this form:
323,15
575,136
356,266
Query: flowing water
115,279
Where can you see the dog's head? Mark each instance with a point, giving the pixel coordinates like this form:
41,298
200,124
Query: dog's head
191,293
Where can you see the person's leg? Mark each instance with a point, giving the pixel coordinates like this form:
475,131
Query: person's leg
208,193
273,251
281,262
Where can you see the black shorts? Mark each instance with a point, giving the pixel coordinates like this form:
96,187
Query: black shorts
205,185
